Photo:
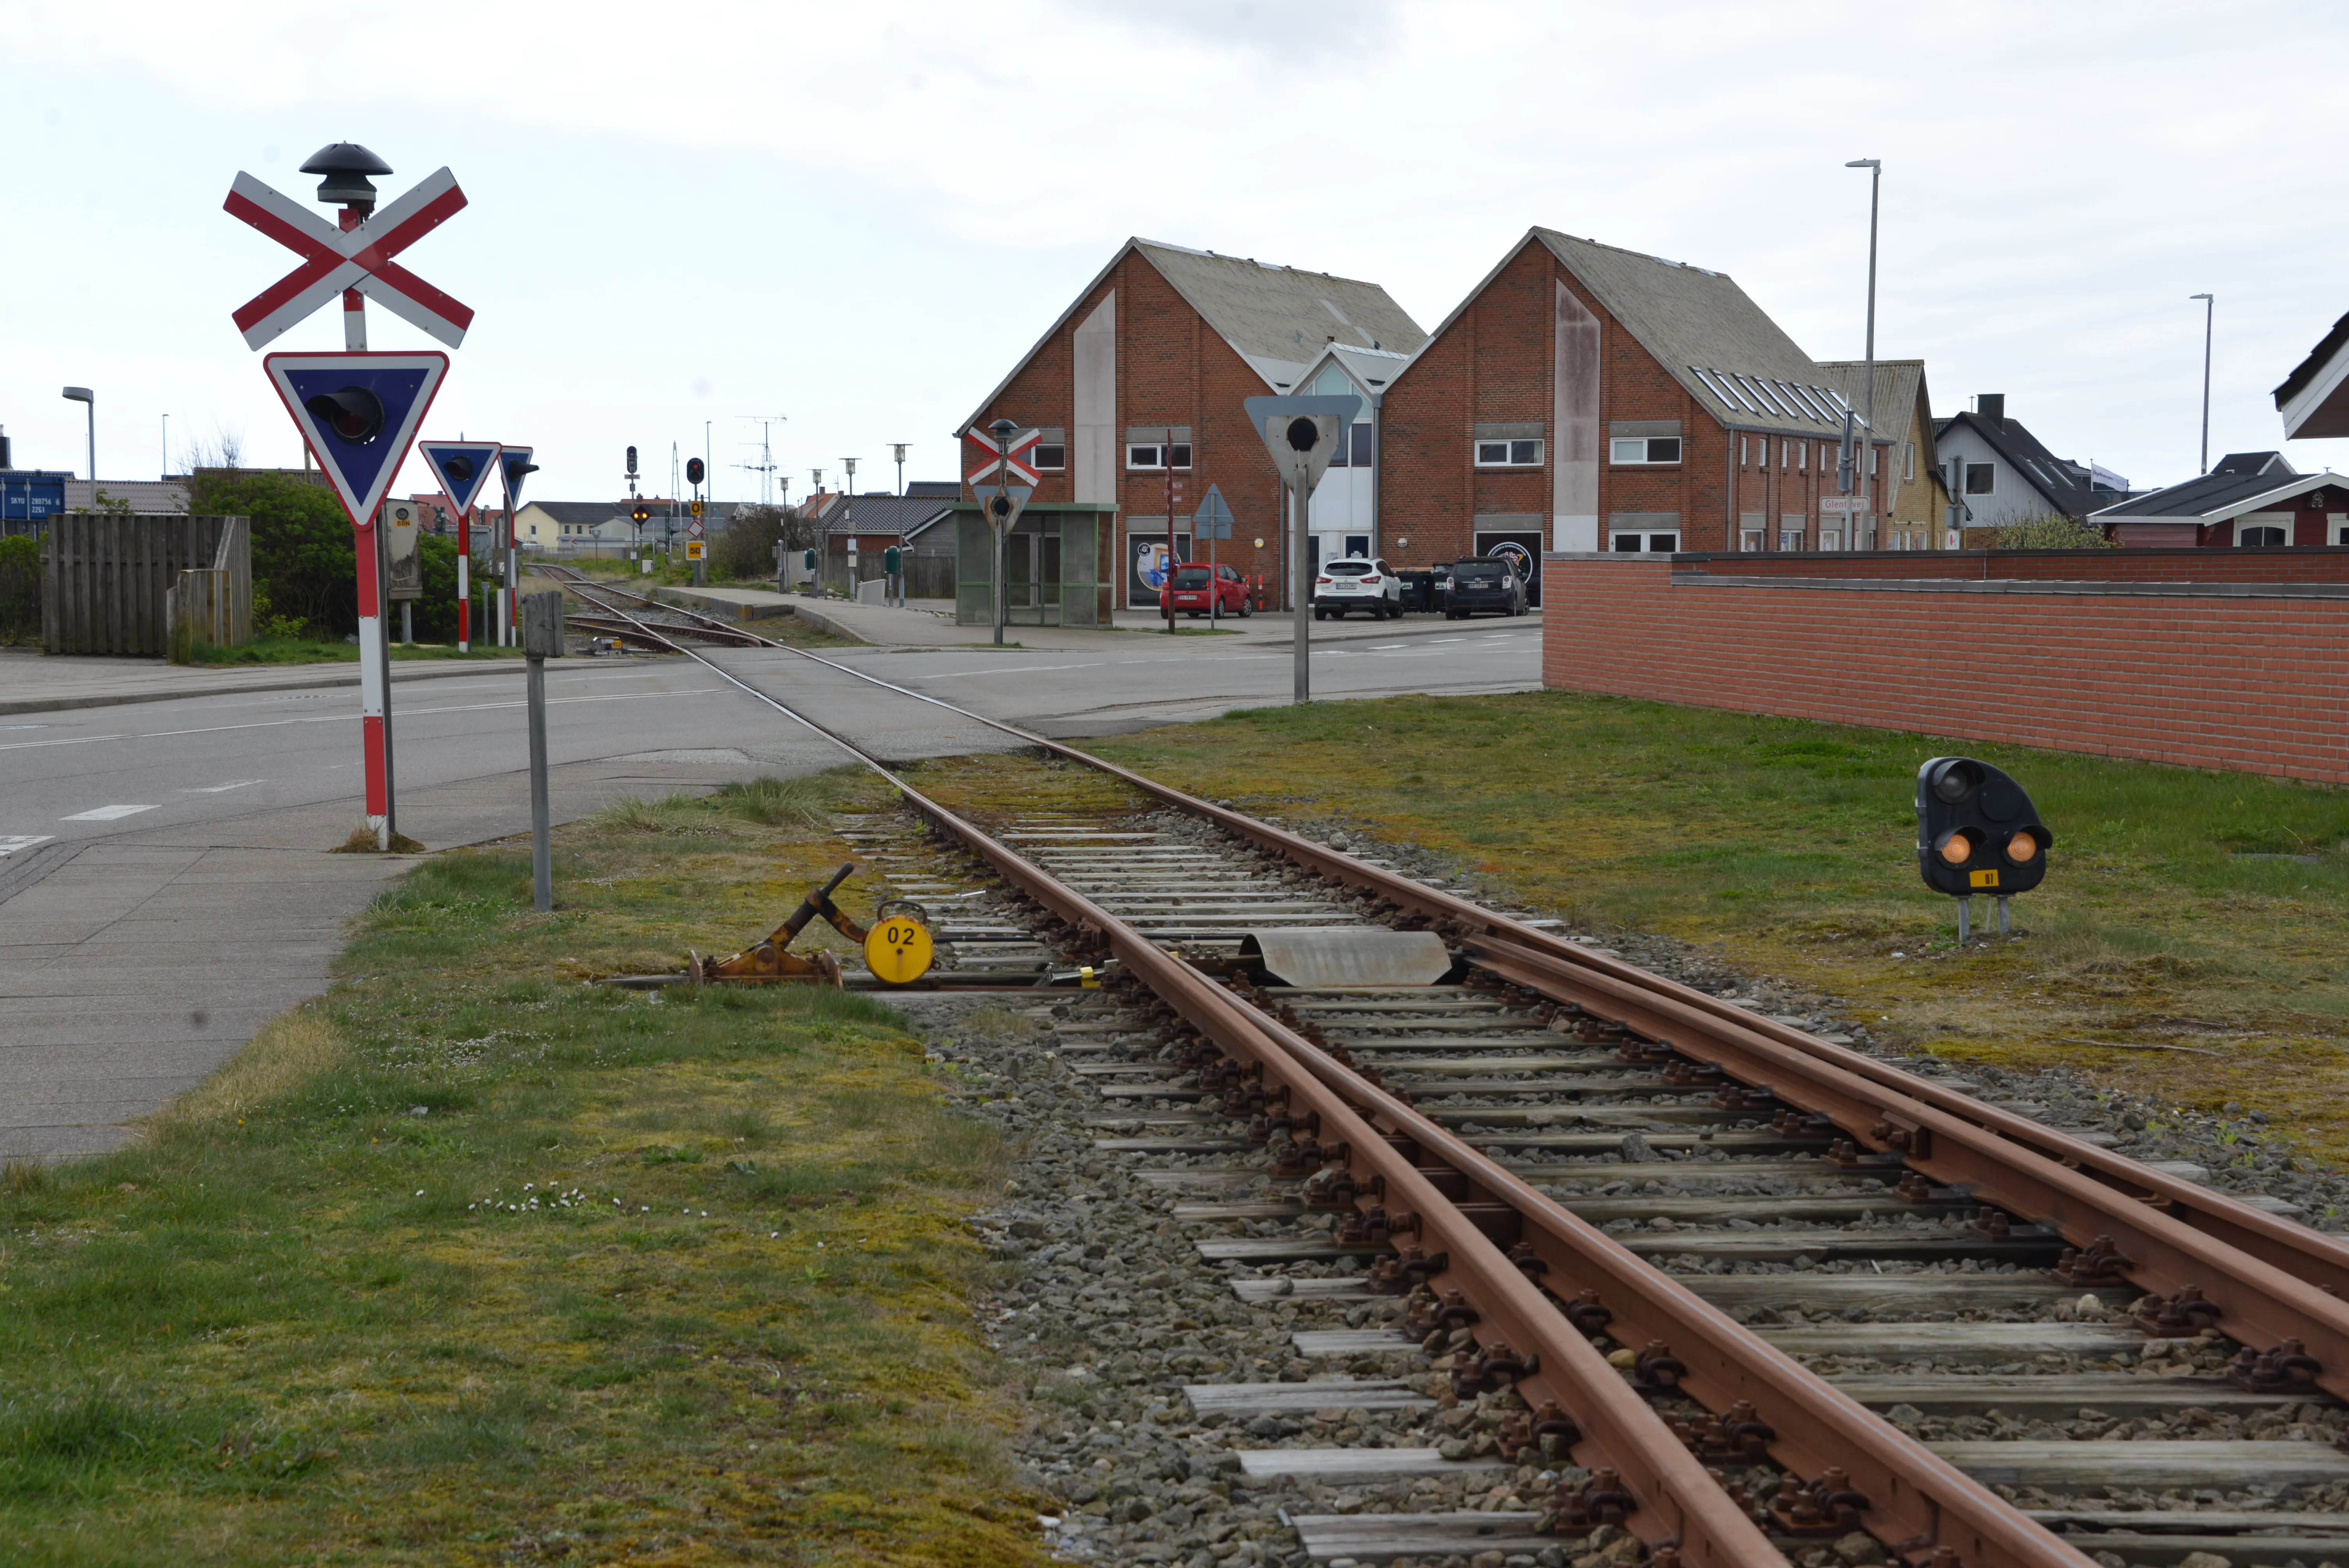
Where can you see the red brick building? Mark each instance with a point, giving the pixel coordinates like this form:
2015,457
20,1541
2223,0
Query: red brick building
1585,397
1138,389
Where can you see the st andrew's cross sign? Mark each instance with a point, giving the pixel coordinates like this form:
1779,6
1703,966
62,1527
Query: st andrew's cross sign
334,260
1014,454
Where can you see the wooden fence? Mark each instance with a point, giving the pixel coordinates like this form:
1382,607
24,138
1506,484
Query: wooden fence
107,582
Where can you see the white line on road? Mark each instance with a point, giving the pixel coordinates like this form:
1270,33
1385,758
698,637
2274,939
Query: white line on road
348,717
1016,669
11,842
105,813
220,788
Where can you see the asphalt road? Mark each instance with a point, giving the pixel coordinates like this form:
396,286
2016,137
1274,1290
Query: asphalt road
96,773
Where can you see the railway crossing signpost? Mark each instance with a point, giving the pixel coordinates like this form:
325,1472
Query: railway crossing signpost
1302,434
1210,522
513,466
464,469
1002,447
357,411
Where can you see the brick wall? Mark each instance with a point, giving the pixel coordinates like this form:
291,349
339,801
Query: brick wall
2201,676
2326,565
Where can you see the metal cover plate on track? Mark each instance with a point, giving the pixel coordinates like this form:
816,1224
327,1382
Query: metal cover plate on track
1349,955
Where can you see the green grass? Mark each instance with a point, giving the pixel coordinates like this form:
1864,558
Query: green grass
367,1296
309,651
1788,847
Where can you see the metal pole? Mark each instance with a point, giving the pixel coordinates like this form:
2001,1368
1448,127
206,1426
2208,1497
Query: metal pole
1166,594
1000,597
1301,597
2209,309
378,635
465,581
1866,484
541,854
92,408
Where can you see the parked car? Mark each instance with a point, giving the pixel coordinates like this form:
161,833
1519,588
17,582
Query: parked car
1192,596
1343,585
1483,583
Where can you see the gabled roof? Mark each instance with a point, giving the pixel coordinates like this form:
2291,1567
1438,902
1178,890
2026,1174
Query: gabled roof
1372,369
2217,497
880,513
1703,329
1277,318
2252,463
2062,484
1899,383
2315,398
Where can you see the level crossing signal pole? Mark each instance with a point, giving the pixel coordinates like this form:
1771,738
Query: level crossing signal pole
1302,434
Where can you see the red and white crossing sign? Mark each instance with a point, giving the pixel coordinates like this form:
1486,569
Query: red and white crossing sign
334,260
1014,456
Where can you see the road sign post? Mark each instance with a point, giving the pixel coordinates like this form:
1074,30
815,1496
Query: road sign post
695,472
1002,446
357,411
1213,521
542,640
464,469
1302,435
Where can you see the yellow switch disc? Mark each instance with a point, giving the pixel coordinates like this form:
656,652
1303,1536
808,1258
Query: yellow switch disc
898,951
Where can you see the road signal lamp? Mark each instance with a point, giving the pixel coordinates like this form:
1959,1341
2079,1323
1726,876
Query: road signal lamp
354,414
640,513
1977,831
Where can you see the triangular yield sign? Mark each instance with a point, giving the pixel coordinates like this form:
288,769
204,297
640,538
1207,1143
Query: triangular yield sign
463,468
515,463
1002,505
358,413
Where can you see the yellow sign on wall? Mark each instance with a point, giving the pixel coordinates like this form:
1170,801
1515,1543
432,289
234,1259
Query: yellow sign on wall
898,951
693,549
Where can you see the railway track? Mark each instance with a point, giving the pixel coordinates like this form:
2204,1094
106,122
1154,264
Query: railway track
1690,1285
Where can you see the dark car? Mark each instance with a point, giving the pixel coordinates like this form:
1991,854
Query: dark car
1483,584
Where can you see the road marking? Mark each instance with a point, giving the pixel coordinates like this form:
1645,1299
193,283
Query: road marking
220,788
1447,639
11,842
1017,669
105,813
353,718
24,727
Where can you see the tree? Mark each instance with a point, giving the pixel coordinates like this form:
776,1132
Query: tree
745,548
2049,531
303,559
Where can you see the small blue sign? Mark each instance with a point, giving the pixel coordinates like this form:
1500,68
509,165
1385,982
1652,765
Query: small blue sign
463,468
358,413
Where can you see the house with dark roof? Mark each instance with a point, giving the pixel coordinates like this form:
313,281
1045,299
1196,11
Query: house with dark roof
1914,512
603,527
1587,398
1137,387
2315,398
1999,472
874,521
2249,500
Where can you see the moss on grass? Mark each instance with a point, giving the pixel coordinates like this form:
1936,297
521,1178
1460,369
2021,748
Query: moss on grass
2177,909
471,1262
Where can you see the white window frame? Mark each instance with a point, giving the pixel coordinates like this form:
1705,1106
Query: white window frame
1156,461
1907,462
1644,540
2263,519
1641,451
1509,445
1035,459
1800,536
2341,533
1966,468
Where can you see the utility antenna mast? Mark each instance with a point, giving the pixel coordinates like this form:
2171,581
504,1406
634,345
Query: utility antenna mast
765,467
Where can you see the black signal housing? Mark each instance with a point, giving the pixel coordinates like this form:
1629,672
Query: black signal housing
1977,831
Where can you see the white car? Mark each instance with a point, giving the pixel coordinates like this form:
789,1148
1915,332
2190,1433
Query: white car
1343,585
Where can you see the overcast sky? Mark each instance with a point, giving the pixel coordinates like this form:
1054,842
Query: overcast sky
859,215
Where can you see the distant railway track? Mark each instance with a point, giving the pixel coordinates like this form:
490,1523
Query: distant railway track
1581,1176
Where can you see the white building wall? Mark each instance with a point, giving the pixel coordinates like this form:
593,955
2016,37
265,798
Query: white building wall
2012,497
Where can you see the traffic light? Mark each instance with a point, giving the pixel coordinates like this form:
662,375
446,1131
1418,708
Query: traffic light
693,470
632,462
353,415
640,513
1977,831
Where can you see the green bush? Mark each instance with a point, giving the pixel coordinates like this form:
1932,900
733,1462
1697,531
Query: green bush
20,589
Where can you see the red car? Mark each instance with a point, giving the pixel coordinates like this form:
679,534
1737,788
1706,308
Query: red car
1193,596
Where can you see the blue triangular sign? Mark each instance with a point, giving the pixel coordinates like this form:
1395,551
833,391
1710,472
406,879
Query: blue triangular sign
463,468
517,465
358,413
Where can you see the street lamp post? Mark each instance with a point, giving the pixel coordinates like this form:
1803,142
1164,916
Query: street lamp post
2209,309
83,395
1875,167
848,513
901,448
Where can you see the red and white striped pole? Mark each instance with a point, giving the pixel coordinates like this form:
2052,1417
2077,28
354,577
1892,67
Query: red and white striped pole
464,580
375,682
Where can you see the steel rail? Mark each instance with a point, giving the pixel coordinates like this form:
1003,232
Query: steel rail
2273,1280
1678,1503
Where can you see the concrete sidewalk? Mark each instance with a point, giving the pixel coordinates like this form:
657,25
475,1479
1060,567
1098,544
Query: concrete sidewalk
35,682
930,623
